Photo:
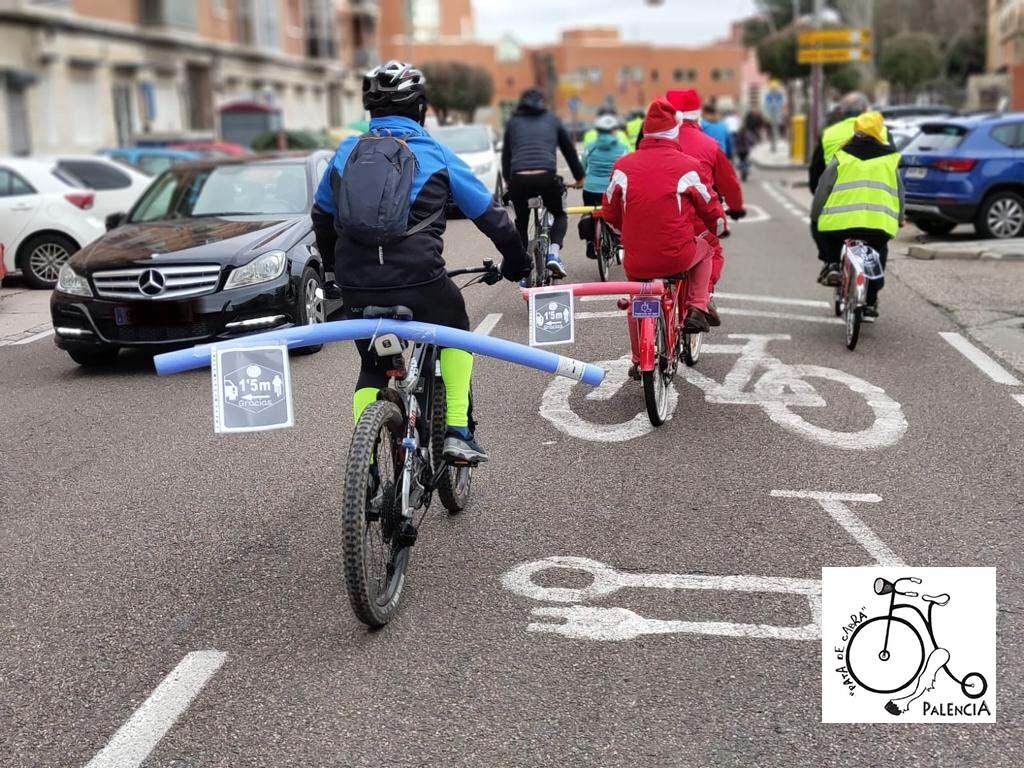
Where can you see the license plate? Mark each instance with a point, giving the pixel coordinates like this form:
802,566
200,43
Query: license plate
123,315
646,308
916,173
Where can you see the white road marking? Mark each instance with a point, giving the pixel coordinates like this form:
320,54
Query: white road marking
983,362
33,337
488,324
728,311
755,215
134,740
834,504
1019,399
785,202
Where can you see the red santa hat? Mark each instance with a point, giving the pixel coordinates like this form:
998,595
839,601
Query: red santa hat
687,103
661,121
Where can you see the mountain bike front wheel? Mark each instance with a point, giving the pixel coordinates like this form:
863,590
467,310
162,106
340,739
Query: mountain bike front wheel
375,557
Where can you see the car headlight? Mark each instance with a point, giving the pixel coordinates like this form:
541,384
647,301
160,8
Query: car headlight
480,170
70,282
260,270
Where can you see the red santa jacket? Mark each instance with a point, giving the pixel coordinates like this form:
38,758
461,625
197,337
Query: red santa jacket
714,167
657,200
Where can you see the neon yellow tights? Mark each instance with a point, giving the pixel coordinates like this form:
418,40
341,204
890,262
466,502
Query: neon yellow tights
457,372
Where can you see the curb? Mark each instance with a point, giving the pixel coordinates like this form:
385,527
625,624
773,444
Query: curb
926,253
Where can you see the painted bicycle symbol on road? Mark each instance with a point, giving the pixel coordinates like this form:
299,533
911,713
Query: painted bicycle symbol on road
778,391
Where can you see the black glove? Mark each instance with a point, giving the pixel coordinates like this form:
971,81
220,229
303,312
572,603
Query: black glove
514,276
736,213
492,276
506,199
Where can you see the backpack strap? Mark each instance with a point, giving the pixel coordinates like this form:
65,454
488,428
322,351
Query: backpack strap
425,223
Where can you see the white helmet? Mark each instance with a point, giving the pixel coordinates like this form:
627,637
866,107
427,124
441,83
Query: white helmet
607,123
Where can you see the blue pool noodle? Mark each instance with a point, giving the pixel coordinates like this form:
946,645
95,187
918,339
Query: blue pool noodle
348,330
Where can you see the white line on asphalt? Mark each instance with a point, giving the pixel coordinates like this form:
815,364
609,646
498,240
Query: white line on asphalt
134,740
835,505
488,323
785,202
983,362
755,215
33,337
752,297
1019,399
729,311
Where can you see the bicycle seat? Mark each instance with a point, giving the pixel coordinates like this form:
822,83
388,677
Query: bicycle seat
388,313
535,202
937,599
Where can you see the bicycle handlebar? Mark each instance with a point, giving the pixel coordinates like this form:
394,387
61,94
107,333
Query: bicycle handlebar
582,209
485,269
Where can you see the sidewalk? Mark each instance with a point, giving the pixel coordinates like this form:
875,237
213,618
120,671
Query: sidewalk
994,250
24,313
763,157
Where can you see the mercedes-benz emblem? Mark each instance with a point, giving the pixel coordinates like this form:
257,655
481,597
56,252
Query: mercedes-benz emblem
151,282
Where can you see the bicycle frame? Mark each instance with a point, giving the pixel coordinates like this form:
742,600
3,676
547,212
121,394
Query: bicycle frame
926,620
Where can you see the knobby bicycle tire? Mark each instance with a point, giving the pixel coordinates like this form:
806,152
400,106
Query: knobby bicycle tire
372,607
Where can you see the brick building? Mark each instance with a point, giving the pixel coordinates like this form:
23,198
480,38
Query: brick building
594,64
76,75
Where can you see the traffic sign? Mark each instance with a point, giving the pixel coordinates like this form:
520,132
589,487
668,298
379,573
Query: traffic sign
834,38
832,55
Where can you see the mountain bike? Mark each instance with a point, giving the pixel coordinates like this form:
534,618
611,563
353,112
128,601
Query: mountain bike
860,264
395,464
540,242
890,654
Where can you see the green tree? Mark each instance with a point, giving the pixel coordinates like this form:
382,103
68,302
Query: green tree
842,77
777,56
910,59
454,87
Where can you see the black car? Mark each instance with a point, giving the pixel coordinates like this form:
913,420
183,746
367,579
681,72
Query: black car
214,249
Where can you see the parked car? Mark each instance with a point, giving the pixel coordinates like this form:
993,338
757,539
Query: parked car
967,170
151,160
474,144
213,148
117,187
214,249
911,112
45,216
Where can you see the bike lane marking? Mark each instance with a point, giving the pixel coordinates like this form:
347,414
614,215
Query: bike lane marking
779,197
981,361
616,623
488,324
133,741
1019,399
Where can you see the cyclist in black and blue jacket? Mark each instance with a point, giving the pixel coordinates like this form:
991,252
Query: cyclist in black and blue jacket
411,271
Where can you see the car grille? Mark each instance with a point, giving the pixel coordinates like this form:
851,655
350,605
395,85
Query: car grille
150,334
157,282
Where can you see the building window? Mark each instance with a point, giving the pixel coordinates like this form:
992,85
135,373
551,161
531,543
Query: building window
721,74
258,23
426,19
171,13
654,75
84,98
321,31
683,75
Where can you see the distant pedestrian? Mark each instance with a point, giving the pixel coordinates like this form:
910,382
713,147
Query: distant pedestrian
716,128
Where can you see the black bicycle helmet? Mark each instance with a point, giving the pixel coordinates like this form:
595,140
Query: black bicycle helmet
394,84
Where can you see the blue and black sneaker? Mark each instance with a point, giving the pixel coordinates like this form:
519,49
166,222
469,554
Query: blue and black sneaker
460,445
555,266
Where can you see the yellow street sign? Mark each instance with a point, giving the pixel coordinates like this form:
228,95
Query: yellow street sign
834,38
832,55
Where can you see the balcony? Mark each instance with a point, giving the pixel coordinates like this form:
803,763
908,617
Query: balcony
168,13
369,8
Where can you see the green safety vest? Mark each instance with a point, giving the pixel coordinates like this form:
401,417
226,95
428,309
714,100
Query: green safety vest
866,195
591,135
836,136
633,131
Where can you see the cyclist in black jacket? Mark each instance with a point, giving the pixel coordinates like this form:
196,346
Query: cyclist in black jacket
411,272
529,163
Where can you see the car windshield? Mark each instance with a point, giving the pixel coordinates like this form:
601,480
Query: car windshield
463,138
937,138
272,189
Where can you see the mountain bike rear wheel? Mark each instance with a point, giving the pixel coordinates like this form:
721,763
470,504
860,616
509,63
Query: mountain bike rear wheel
375,558
539,252
455,482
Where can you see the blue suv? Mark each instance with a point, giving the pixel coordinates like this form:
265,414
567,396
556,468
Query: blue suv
967,170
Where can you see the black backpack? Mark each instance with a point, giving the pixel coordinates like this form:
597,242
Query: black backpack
375,189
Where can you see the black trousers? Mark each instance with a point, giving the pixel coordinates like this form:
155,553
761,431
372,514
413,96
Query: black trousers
439,302
523,186
830,249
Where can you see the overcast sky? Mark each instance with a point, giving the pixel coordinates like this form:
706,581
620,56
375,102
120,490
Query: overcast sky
683,22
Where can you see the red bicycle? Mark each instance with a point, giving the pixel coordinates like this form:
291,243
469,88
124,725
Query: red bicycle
607,248
655,313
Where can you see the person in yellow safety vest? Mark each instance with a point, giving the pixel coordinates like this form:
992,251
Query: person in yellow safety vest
591,135
634,124
859,197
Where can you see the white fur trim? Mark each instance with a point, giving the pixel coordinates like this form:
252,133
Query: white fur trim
672,134
692,117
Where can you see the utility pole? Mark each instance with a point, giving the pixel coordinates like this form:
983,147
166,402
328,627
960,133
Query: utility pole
817,83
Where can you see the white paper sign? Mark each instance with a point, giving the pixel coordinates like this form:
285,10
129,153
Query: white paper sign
552,317
252,388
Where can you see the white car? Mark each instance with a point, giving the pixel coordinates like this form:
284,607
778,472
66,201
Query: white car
45,216
117,186
474,144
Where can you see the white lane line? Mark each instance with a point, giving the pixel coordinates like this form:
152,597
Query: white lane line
1019,399
134,740
982,362
729,311
488,324
835,505
33,337
751,297
785,202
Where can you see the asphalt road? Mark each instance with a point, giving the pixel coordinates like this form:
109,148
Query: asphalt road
133,536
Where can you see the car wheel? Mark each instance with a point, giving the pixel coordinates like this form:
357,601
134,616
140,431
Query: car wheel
101,357
42,257
935,226
1001,216
310,309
